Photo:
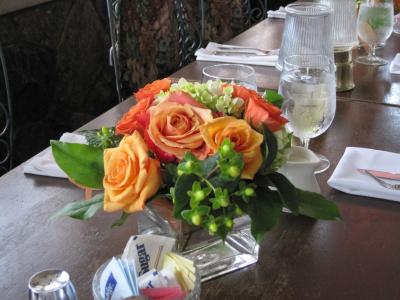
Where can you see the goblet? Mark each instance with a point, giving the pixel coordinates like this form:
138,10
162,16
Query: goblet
374,26
308,86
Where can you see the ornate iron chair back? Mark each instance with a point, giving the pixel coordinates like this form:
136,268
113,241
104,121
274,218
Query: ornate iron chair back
194,28
6,128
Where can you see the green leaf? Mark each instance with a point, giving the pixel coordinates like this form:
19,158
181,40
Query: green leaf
231,186
287,190
316,206
181,199
209,164
273,97
269,150
121,220
82,163
264,210
82,210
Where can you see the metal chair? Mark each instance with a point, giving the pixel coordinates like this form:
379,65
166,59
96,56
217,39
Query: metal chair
191,28
6,122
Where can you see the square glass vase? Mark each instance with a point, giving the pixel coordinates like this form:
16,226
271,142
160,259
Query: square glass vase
212,256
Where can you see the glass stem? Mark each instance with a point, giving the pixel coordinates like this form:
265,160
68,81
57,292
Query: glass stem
372,49
304,142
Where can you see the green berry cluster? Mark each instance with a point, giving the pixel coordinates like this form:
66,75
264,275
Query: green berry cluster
206,190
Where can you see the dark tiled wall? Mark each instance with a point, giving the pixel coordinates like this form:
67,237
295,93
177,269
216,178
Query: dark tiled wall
57,59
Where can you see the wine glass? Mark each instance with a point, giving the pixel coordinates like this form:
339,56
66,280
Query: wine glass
374,26
308,85
231,73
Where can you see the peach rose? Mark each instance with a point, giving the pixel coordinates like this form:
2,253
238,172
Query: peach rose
174,128
131,176
247,141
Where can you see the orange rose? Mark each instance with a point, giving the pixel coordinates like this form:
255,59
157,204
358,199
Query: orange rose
131,176
258,111
132,120
174,128
150,90
247,141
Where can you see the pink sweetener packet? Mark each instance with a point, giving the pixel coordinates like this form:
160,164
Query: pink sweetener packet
167,293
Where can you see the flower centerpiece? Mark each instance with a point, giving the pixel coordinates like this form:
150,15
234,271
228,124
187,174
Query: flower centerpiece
212,148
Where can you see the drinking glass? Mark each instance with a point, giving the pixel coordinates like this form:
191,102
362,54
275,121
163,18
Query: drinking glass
374,26
308,86
308,30
344,20
231,73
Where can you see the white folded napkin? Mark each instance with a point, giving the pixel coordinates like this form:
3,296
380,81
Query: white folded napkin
44,163
206,54
277,14
395,65
347,179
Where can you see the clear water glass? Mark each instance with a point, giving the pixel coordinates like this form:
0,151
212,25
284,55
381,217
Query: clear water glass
98,294
396,26
308,30
344,20
374,27
231,73
309,89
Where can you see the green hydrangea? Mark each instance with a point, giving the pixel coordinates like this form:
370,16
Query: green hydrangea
284,139
212,94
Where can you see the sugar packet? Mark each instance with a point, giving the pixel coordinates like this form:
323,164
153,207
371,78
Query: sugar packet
146,251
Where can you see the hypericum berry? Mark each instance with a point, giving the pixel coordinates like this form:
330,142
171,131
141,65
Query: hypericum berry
105,130
224,202
189,165
238,211
199,195
234,171
196,219
180,172
249,192
213,227
225,149
229,223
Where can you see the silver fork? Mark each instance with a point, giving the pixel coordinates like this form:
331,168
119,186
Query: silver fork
238,53
383,183
246,48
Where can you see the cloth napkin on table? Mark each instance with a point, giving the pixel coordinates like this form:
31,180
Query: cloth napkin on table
44,163
395,65
347,179
277,14
206,54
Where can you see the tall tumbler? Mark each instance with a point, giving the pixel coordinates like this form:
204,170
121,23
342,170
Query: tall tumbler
344,23
307,31
344,34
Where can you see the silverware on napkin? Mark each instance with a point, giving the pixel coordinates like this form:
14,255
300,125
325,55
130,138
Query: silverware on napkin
238,53
241,49
383,183
382,174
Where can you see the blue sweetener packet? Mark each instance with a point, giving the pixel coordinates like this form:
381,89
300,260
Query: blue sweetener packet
114,284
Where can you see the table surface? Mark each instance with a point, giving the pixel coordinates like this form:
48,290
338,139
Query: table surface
300,259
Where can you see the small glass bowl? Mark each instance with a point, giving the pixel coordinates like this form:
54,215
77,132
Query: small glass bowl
192,295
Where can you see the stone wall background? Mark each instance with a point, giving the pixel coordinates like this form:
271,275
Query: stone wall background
57,60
